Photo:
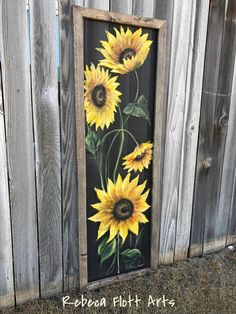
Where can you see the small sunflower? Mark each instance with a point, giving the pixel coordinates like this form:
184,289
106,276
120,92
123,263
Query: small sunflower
126,51
140,158
121,207
101,96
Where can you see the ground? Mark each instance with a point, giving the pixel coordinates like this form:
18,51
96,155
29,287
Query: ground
199,285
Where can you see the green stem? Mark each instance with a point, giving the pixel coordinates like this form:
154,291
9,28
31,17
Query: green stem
118,253
99,170
121,147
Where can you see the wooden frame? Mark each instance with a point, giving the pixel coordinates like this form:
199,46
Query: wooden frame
79,14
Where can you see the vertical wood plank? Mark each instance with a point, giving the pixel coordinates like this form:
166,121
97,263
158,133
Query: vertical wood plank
144,8
6,266
78,29
194,80
97,4
226,85
176,108
47,142
228,184
68,147
215,105
14,49
121,6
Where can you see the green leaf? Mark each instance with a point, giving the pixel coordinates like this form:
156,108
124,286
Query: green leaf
138,109
106,250
130,255
92,141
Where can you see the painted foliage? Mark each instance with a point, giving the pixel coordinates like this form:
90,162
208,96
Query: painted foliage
116,102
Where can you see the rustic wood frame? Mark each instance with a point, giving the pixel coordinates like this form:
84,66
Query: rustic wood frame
79,14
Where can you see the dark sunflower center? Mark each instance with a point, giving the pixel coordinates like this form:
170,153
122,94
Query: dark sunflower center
99,95
123,209
140,157
128,53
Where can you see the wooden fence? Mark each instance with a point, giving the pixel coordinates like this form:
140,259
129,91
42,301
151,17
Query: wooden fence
38,186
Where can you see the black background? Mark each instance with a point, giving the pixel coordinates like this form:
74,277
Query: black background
94,31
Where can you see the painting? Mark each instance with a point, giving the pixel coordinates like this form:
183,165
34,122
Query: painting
119,108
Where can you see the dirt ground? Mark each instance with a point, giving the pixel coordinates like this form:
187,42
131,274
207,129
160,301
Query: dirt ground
200,285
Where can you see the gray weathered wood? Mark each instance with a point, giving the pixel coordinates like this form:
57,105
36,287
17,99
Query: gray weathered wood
47,143
14,50
158,148
194,80
215,104
121,6
227,85
210,83
144,7
97,4
68,147
6,263
78,28
228,183
181,19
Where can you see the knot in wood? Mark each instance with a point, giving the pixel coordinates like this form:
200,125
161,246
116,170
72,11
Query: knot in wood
223,121
207,163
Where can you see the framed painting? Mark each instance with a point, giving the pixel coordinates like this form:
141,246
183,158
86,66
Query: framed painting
119,89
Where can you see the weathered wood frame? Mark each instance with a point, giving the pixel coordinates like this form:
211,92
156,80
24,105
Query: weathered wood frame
79,14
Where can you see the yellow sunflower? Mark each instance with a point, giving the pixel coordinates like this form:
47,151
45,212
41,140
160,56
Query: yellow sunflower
140,158
126,51
101,97
121,207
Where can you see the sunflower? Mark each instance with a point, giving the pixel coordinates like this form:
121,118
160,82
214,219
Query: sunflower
126,51
140,158
101,96
121,207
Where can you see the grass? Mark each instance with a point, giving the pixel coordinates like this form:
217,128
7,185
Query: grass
199,285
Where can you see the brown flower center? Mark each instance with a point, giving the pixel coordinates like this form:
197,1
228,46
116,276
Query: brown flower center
99,96
128,53
123,209
141,156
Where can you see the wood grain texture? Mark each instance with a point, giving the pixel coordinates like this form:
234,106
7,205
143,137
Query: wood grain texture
97,4
228,183
158,148
78,28
47,143
178,71
194,80
68,146
19,136
144,8
121,6
215,105
227,85
6,262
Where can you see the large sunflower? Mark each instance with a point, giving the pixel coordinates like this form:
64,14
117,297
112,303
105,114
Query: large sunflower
140,158
126,51
121,207
101,96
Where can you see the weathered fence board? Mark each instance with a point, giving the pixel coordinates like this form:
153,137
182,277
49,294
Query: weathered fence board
144,7
197,44
217,228
228,185
47,143
121,6
97,4
215,107
6,263
14,49
68,147
181,15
